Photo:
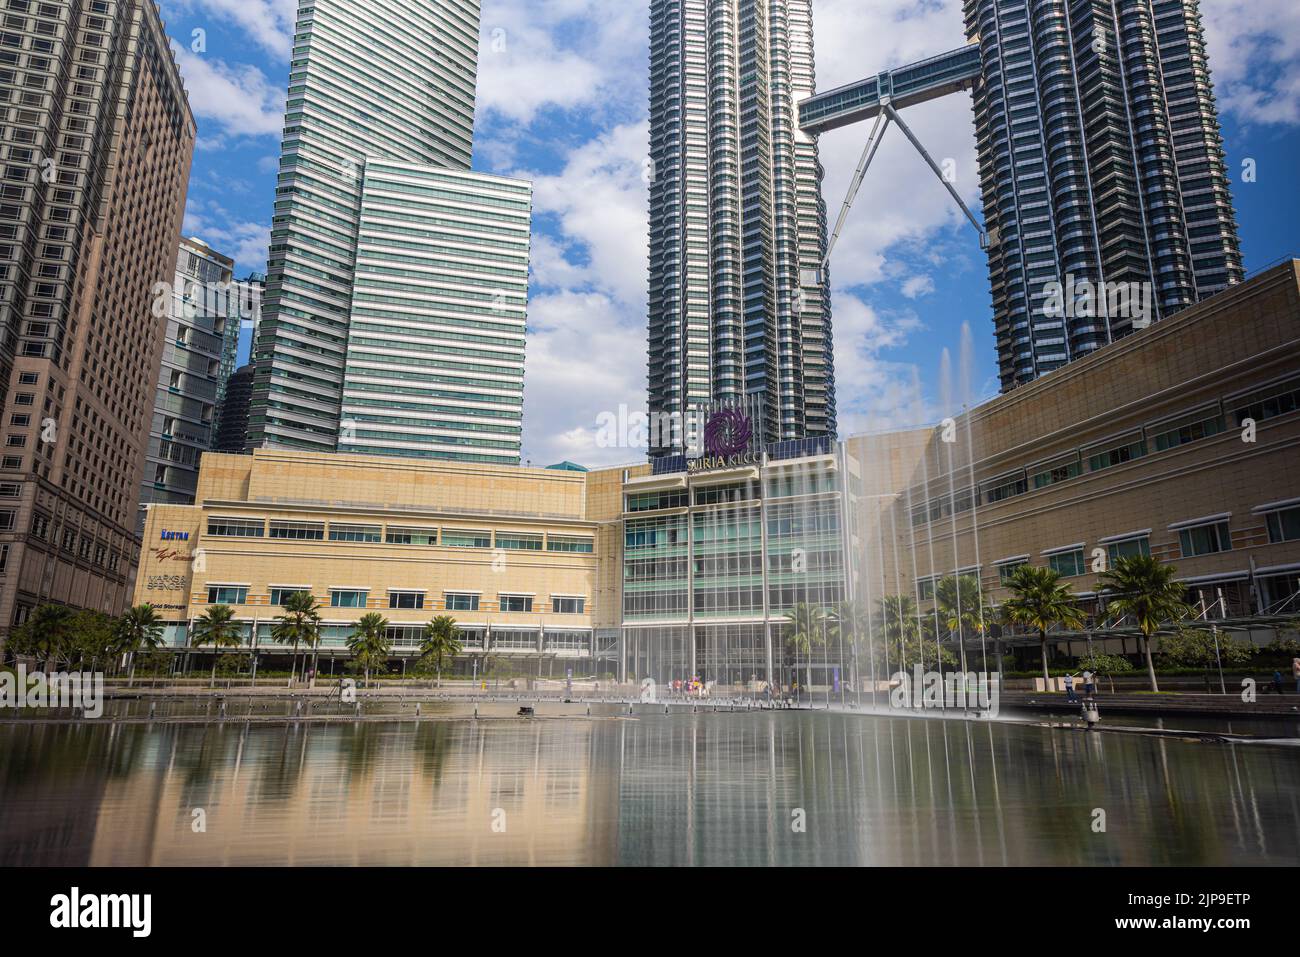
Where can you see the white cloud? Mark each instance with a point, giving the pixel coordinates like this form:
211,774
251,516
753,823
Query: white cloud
244,241
268,23
1254,51
916,286
237,98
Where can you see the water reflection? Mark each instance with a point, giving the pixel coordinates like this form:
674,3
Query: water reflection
682,789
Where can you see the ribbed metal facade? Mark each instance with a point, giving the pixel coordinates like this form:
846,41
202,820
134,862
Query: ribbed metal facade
380,79
1101,162
737,222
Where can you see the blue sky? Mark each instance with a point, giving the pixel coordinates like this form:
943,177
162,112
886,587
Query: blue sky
562,101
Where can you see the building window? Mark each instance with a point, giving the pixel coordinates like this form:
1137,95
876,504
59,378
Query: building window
4,558
1205,539
457,538
227,594
1067,564
925,589
519,541
10,489
411,536
354,533
1128,548
302,531
280,593
348,598
564,543
1116,455
1268,403
1284,525
461,602
1189,429
406,599
1008,569
568,606
1057,473
517,603
651,501
7,518
236,527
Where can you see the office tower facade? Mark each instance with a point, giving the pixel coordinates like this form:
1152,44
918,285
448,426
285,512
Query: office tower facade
435,354
1102,170
97,139
383,79
737,223
232,412
201,308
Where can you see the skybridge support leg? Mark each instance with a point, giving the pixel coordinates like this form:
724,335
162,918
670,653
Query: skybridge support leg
893,115
868,153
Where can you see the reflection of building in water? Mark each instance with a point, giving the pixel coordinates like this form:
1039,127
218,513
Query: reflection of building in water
377,794
52,783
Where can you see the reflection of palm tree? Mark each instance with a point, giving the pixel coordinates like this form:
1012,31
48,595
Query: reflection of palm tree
1145,589
1039,601
216,627
806,624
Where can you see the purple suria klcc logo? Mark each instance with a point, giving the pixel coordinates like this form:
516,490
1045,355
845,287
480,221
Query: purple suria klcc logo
727,432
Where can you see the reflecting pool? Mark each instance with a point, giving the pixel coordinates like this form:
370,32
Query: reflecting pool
757,788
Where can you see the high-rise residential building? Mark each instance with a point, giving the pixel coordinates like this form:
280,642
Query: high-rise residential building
738,303
202,306
232,412
96,135
434,362
389,80
1106,196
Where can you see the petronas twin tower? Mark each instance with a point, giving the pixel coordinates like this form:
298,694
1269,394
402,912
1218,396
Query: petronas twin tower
1101,168
737,221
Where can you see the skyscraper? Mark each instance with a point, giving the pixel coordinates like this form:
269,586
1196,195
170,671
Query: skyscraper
199,348
737,223
1106,197
435,354
381,80
232,412
97,137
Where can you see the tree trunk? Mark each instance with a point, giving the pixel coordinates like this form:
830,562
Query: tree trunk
293,663
1042,645
1151,665
212,682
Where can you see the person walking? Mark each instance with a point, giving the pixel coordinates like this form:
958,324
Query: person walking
1069,689
1088,686
1295,673
1278,687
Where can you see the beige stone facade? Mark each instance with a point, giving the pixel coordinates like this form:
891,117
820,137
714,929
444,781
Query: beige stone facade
513,554
1182,440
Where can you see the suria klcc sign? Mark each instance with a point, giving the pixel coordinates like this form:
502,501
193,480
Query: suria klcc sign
728,442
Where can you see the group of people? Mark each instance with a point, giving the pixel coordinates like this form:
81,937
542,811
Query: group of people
1088,680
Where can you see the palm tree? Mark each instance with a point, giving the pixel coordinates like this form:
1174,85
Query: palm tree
845,625
47,633
1145,589
806,623
369,643
299,623
216,627
962,608
1039,601
139,627
440,641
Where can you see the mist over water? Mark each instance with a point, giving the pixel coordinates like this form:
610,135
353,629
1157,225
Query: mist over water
707,788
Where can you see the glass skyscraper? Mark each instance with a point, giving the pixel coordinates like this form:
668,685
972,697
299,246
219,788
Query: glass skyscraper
435,355
737,223
381,105
1101,162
